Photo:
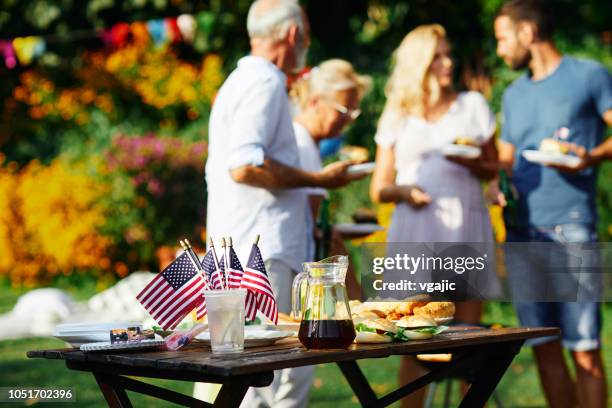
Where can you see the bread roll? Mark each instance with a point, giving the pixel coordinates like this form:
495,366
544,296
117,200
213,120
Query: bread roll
436,309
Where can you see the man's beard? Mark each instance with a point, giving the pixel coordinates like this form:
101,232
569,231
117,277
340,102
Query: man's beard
521,61
301,53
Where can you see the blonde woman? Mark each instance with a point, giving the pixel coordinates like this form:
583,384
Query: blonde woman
328,100
438,199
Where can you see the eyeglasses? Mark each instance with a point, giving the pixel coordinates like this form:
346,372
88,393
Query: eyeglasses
344,111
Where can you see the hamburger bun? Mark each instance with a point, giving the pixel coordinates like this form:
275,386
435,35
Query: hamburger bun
415,335
364,315
435,309
376,331
407,308
369,337
413,322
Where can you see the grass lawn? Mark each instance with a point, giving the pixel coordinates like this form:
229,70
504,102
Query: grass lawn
518,388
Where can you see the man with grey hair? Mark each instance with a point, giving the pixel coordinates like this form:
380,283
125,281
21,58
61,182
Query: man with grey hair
253,171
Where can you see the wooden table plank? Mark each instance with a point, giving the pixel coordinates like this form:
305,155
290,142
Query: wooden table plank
198,358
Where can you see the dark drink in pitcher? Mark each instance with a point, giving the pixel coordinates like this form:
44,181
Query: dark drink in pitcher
326,334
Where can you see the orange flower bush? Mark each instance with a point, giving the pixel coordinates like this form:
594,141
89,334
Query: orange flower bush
45,100
49,222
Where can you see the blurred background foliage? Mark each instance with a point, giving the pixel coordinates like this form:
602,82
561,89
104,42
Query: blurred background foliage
102,148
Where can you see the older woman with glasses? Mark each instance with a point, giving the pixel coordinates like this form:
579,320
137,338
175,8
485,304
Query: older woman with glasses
328,100
438,198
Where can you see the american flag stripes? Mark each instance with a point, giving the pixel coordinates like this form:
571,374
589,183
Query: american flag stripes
209,267
235,274
173,293
256,279
217,278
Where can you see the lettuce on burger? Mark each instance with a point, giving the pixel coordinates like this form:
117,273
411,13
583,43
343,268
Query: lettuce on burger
417,328
375,331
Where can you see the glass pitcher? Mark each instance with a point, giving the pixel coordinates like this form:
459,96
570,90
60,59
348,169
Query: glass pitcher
326,317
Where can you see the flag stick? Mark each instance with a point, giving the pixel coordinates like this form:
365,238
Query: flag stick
214,252
257,240
194,260
225,262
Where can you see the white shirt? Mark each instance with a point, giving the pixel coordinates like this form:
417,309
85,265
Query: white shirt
250,120
310,160
415,141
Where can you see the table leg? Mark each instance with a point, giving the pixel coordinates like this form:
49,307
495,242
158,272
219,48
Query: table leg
115,395
490,373
358,383
232,393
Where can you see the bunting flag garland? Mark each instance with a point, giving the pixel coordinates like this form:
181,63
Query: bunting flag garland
8,53
163,31
27,48
187,26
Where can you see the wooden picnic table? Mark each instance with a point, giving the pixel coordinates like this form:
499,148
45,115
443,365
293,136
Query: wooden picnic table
487,352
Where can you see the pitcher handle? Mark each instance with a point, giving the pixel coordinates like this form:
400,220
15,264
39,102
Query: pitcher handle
296,295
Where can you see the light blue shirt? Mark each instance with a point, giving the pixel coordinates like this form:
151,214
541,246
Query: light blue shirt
574,96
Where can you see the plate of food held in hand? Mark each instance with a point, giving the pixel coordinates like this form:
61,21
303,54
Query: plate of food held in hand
552,152
463,147
385,322
362,168
355,153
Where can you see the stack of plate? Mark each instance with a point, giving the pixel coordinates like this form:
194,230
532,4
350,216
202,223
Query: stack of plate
82,333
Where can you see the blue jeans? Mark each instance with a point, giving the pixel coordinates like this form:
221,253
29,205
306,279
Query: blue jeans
580,321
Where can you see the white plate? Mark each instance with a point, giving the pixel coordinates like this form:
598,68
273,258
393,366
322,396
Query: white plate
439,320
77,334
546,158
464,151
107,345
255,337
93,327
362,168
357,229
77,340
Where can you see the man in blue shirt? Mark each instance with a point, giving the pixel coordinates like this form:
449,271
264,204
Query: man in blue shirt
572,98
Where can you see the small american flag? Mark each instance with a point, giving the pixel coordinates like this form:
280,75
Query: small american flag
235,280
217,276
256,279
173,293
209,267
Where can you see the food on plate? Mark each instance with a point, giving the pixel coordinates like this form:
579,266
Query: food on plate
285,318
365,216
396,310
368,314
407,308
435,358
356,153
417,328
435,309
549,145
375,331
466,141
371,330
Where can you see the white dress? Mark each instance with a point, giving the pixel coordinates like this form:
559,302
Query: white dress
457,212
